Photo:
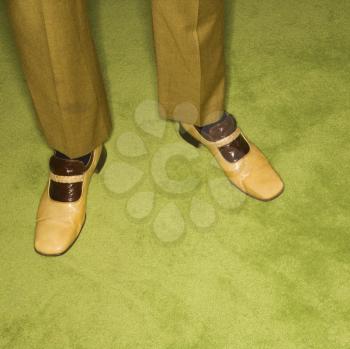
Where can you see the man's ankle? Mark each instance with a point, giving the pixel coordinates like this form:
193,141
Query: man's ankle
84,159
218,129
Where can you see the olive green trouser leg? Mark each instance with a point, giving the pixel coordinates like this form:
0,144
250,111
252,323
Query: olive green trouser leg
62,72
189,45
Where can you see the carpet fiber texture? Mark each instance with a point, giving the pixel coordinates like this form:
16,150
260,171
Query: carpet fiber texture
165,261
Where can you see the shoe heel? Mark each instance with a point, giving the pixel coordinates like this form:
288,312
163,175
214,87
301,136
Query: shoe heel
188,138
101,160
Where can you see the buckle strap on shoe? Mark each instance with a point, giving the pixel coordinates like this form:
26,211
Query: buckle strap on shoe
233,147
66,179
227,140
223,135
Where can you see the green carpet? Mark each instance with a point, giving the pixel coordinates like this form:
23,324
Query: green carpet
148,271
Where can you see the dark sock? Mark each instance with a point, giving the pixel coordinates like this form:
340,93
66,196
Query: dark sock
219,129
85,158
212,124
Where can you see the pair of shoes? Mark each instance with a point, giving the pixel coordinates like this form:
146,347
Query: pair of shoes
62,209
242,162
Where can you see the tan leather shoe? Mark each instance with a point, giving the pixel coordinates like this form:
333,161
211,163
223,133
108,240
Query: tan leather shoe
243,163
61,212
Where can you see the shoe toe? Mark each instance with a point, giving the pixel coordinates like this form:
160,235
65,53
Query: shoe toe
264,184
53,238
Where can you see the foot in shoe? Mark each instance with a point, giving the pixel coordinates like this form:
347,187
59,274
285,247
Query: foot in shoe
62,209
242,162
